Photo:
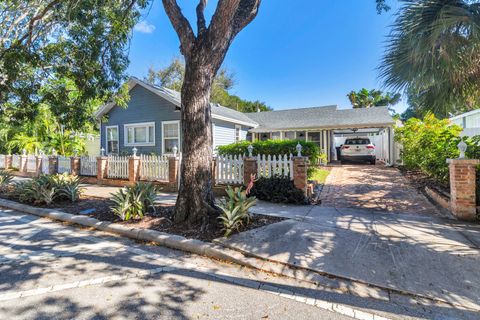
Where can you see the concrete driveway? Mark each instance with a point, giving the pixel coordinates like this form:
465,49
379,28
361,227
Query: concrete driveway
422,255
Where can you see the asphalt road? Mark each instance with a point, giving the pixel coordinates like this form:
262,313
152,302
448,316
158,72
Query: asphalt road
53,271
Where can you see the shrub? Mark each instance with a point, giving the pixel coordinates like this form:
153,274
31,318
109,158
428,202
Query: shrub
278,189
68,186
5,179
318,174
272,147
235,209
135,201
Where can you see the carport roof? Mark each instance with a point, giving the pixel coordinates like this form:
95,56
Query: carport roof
327,117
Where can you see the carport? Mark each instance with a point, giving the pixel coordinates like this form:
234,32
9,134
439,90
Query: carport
327,126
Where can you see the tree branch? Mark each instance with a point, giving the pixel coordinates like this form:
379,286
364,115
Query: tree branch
181,26
246,12
201,24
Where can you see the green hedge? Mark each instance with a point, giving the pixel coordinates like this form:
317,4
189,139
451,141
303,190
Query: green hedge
272,147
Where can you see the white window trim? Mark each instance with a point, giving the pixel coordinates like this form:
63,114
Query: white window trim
239,127
138,125
163,135
106,138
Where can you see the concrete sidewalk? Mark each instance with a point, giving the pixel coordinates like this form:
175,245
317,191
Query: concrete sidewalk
423,255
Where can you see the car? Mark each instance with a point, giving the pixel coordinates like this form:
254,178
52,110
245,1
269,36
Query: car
358,149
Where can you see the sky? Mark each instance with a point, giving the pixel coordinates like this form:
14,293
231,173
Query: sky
295,54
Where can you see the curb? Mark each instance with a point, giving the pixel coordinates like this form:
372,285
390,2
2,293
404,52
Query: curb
211,250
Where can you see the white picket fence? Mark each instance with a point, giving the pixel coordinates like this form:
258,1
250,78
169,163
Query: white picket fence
2,161
229,169
16,161
117,167
88,166
270,166
45,165
64,164
153,168
31,163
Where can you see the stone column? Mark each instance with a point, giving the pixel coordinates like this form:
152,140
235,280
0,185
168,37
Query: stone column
102,167
23,163
8,162
300,166
52,165
463,188
75,165
249,168
173,169
134,169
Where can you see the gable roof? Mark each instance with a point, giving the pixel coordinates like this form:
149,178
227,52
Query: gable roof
218,112
326,117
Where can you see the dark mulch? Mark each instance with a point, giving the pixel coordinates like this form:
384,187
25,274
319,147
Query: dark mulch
420,180
160,220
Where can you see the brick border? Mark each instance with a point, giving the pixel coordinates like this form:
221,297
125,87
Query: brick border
210,250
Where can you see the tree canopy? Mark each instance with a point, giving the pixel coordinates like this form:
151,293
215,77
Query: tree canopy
62,45
433,55
172,77
365,98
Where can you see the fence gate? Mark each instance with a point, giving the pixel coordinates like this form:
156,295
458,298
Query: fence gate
88,166
64,164
229,170
153,168
117,167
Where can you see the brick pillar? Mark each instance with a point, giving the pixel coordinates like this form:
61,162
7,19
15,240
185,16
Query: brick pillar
173,169
463,188
102,167
75,165
134,169
52,165
8,162
300,166
23,163
38,165
249,168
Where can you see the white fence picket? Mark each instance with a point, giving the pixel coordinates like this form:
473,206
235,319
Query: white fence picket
276,165
31,163
117,167
16,161
45,165
64,164
153,168
2,161
88,166
229,170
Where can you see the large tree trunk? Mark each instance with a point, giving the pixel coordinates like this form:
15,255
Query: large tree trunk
204,54
195,197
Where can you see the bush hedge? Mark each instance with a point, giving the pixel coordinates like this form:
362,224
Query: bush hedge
428,143
272,147
278,189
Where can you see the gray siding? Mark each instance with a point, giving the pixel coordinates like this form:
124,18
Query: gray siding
224,133
144,106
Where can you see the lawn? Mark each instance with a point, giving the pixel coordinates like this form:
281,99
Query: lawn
318,174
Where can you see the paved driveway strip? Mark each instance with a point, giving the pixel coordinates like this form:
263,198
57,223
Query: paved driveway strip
426,256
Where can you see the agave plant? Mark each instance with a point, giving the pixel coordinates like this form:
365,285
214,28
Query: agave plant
71,189
134,202
235,209
5,179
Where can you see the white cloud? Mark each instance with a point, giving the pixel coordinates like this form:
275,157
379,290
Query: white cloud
144,27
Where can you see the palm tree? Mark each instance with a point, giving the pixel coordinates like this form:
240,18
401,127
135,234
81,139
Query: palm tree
433,54
372,98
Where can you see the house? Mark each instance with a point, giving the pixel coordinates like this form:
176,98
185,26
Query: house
151,123
469,121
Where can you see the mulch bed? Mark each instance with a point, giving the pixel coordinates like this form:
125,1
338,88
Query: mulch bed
160,220
419,180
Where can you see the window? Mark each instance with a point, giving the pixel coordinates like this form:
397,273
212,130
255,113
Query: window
276,135
289,135
170,136
140,134
238,131
112,139
357,141
300,135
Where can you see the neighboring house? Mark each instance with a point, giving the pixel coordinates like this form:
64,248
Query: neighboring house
469,121
151,122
